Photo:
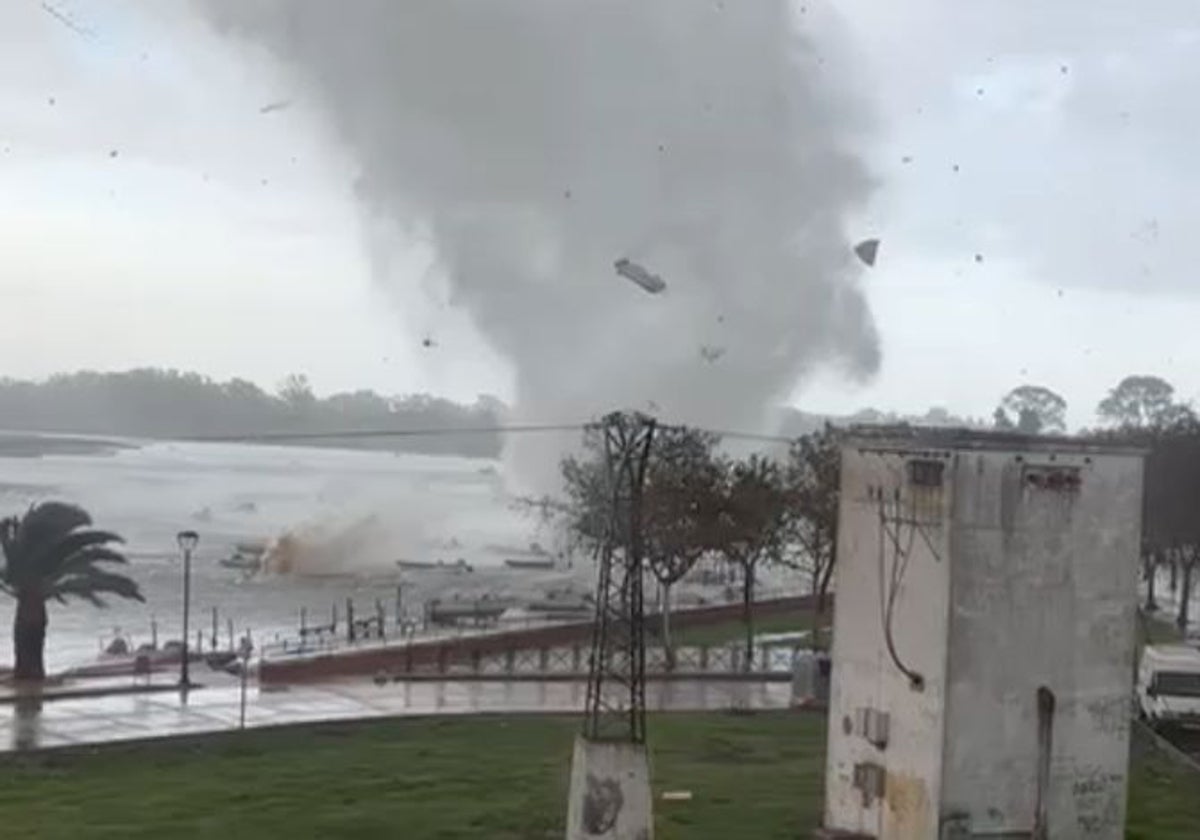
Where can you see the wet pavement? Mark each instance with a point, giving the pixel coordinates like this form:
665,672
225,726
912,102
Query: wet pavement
1168,602
35,723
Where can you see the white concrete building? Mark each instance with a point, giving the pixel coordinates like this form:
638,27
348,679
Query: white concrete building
983,646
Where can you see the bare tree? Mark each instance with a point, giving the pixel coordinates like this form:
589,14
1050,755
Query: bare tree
812,484
1189,556
680,502
1172,488
584,507
297,393
1152,558
751,527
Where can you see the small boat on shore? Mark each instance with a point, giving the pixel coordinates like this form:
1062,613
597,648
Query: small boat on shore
533,558
416,564
459,566
562,603
530,564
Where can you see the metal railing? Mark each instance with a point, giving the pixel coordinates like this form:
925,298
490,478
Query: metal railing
572,662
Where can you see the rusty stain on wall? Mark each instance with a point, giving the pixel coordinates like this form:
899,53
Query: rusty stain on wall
909,809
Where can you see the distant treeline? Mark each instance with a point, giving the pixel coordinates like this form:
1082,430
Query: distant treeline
158,403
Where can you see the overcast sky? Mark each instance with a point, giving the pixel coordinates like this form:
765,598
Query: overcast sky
1035,196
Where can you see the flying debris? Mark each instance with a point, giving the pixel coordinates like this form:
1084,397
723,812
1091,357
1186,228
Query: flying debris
66,21
112,153
280,105
428,342
867,250
710,353
652,283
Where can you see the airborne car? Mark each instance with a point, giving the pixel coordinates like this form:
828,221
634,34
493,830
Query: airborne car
652,283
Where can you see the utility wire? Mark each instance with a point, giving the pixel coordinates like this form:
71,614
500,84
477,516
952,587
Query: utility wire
447,431
436,431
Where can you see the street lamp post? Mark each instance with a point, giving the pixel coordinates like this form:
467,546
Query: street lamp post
245,649
187,543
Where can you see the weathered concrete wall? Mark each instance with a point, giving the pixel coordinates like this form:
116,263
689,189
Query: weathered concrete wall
1043,594
864,673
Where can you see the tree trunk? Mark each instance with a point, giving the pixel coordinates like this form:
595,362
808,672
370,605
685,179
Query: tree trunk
26,721
1152,561
815,607
748,612
1173,565
29,637
1185,596
826,579
668,648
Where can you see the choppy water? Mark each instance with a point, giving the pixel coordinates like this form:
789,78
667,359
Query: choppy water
230,492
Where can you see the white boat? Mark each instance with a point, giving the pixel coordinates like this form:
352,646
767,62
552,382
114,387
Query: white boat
416,564
530,563
246,557
458,566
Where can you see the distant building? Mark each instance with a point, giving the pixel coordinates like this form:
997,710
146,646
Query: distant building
983,647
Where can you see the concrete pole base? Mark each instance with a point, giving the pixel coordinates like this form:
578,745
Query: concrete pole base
610,792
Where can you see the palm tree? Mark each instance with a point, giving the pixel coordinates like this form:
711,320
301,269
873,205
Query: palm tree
52,552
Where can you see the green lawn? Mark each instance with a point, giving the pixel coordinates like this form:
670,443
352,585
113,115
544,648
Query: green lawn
1158,629
734,631
752,776
1163,798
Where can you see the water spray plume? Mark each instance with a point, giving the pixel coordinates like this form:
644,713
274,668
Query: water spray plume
533,143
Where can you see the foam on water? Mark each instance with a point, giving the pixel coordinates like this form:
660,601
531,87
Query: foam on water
419,508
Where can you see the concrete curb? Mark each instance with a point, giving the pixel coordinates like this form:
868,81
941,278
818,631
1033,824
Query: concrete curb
1166,747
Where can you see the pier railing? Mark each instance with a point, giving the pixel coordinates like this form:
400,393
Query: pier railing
571,662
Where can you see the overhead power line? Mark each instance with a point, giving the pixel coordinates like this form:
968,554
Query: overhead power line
438,431
449,431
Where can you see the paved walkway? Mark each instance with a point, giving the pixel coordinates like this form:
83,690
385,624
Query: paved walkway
28,724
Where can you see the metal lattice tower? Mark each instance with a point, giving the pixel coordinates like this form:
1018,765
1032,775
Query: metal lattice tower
616,690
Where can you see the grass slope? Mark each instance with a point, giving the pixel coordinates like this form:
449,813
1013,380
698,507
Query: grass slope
501,778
